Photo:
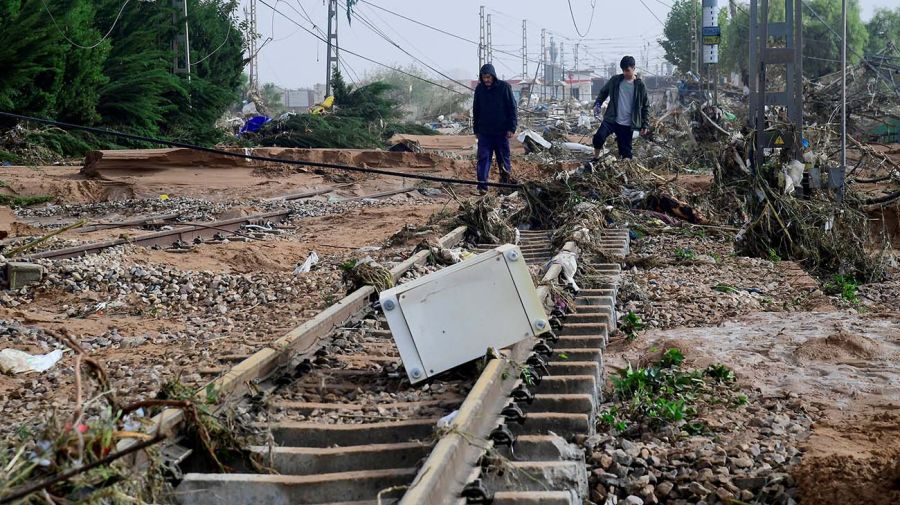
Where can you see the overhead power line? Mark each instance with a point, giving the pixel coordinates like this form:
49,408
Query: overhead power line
70,41
575,23
360,56
384,36
652,13
240,154
439,30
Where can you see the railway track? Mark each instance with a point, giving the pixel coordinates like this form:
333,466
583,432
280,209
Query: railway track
344,425
192,233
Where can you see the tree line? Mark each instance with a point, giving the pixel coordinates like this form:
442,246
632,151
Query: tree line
821,46
111,63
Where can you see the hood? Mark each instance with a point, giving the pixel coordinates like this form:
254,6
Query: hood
487,68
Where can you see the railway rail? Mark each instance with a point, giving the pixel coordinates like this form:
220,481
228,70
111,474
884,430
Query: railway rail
344,425
192,232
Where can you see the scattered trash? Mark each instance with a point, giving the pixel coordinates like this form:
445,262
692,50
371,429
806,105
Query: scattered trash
431,192
307,265
13,361
253,124
533,141
569,263
445,421
578,148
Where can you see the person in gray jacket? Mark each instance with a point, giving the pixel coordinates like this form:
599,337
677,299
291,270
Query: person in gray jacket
627,111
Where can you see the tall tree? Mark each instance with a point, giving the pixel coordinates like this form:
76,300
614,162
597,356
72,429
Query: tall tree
31,56
82,76
884,29
677,34
734,52
821,36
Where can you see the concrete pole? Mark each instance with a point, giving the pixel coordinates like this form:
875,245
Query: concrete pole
843,170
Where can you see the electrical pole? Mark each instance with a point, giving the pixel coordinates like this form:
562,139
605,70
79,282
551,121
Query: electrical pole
182,42
695,61
481,46
524,50
331,61
843,169
544,64
711,37
252,48
577,47
490,45
562,67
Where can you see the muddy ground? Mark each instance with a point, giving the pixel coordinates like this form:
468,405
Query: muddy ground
829,366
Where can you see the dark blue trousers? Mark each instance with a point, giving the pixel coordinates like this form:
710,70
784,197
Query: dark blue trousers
488,145
623,137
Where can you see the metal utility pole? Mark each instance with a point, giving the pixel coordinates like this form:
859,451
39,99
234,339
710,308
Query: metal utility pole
577,47
842,171
182,42
482,53
252,47
562,67
524,51
331,61
695,61
711,36
544,64
762,56
490,45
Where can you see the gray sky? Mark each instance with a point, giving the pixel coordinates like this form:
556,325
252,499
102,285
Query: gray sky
294,58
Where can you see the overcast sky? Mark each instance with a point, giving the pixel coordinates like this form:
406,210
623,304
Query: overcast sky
293,58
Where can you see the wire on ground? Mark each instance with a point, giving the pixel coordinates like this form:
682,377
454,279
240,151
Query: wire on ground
336,166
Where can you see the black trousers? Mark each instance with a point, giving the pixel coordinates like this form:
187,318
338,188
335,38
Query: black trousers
623,137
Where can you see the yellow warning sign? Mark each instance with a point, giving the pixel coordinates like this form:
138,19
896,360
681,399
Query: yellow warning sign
779,141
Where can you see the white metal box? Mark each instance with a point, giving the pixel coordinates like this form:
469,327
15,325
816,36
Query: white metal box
452,316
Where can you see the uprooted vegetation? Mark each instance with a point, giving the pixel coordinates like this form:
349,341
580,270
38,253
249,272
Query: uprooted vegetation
89,456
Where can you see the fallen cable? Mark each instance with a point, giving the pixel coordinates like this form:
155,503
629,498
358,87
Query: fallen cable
336,166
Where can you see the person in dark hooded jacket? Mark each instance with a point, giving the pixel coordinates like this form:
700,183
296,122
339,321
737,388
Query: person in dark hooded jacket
494,121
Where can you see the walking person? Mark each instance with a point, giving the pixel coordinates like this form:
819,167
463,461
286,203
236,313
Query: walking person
494,120
627,110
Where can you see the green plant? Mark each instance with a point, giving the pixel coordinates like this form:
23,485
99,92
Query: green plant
720,373
684,254
844,286
610,418
725,288
672,357
773,256
24,201
631,324
563,355
665,393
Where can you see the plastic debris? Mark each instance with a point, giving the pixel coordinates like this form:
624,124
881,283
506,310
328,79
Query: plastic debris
307,265
569,263
445,421
13,361
533,141
575,147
